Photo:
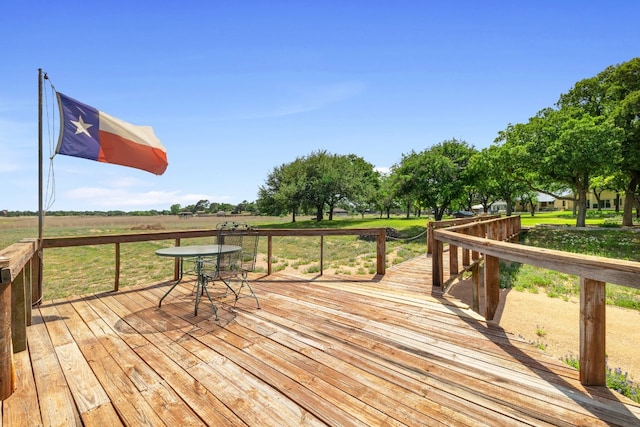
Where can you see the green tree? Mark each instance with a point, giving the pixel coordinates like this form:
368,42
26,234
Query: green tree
284,190
385,198
435,178
614,94
495,175
318,181
362,184
564,148
201,206
403,182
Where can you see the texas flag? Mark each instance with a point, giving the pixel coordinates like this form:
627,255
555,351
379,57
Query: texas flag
91,134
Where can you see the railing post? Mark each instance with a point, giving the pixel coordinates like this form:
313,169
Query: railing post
437,265
430,239
491,276
491,286
269,253
116,284
321,253
476,230
465,252
592,332
7,381
453,260
32,269
19,313
381,251
36,277
28,290
475,288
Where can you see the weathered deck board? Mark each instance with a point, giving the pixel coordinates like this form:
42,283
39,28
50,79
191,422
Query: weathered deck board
325,350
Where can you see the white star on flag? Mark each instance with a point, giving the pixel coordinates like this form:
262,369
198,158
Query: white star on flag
81,126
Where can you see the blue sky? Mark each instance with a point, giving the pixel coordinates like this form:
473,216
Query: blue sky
235,88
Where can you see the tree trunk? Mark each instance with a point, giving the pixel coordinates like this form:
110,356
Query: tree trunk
581,220
598,201
627,210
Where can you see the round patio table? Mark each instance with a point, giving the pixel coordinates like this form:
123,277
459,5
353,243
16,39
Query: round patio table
198,252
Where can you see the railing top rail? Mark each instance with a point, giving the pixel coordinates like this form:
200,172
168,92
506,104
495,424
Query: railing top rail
13,258
447,223
59,242
610,270
484,220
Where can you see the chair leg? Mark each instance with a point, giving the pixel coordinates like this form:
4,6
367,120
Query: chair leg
244,281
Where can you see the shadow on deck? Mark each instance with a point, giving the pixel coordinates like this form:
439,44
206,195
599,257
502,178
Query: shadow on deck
323,350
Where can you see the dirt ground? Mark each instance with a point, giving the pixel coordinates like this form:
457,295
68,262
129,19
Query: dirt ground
553,323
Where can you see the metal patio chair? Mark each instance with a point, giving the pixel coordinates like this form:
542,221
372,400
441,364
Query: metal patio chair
230,266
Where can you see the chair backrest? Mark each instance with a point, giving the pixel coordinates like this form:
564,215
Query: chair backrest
249,251
239,234
229,264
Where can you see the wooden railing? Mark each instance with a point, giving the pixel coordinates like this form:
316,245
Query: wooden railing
19,272
20,267
435,225
117,239
594,272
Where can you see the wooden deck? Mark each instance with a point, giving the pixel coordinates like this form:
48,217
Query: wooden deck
327,350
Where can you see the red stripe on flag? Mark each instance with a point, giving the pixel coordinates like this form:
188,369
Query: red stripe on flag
121,151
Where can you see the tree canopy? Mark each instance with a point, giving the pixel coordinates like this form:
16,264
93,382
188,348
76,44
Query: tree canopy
318,181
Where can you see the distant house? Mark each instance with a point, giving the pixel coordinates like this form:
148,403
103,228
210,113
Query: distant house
339,211
608,200
545,202
495,207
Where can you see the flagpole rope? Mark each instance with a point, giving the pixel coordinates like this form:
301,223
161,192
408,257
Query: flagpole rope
50,194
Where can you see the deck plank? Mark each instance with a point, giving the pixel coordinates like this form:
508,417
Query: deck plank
87,391
57,406
129,402
175,360
322,350
22,408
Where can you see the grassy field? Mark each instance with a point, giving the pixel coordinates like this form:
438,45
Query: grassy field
69,271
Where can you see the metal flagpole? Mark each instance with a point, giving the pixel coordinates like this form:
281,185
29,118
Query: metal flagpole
38,297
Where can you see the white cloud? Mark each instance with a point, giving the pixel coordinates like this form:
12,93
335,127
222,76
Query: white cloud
385,170
128,181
